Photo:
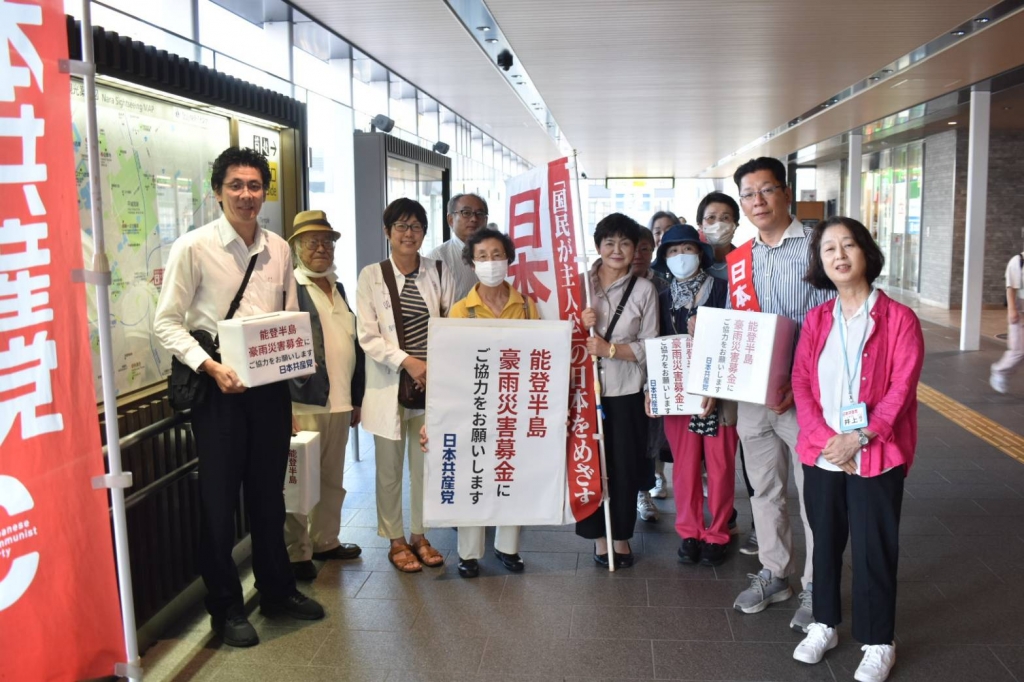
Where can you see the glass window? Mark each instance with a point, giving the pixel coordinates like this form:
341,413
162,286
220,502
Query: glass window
429,118
145,28
250,74
261,45
369,85
402,106
322,60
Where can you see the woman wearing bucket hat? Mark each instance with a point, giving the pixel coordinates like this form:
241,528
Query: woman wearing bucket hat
711,436
328,401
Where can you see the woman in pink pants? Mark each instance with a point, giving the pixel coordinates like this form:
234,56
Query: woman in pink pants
709,438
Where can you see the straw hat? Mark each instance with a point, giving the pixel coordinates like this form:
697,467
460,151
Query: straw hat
311,221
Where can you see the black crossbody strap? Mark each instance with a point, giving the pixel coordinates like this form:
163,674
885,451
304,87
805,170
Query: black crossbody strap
388,271
241,290
618,311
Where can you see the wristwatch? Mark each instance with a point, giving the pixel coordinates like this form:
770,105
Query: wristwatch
611,351
863,438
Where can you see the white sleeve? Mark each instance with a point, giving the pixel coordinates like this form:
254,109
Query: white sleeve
176,294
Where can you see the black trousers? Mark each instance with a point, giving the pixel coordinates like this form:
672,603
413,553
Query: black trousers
242,440
867,510
625,438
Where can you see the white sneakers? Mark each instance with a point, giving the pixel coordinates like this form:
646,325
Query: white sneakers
820,638
645,506
999,383
877,663
874,667
660,489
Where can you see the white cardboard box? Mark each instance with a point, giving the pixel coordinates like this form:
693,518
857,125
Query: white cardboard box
668,363
740,355
263,349
302,477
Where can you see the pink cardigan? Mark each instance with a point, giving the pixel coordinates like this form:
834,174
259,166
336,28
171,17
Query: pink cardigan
893,356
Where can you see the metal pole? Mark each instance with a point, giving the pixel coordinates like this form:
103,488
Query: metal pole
853,185
101,266
605,498
974,241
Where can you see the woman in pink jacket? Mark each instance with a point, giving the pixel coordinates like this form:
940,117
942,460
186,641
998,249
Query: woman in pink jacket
855,381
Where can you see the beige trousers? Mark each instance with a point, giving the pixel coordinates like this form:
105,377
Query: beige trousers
471,540
391,456
769,447
319,531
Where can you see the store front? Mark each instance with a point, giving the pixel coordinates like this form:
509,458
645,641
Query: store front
891,206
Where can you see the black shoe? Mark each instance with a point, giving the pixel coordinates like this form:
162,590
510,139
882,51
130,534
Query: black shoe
469,568
624,560
689,551
296,605
343,552
732,521
235,629
304,570
712,554
512,562
600,559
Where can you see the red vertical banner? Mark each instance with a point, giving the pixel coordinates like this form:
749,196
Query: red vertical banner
546,267
56,553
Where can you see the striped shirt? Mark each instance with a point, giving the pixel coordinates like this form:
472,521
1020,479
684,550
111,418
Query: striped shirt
415,318
779,275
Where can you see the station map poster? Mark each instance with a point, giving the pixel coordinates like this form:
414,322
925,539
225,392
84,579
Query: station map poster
155,162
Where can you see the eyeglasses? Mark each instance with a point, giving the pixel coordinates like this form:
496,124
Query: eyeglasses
314,243
415,228
765,193
467,214
238,186
484,258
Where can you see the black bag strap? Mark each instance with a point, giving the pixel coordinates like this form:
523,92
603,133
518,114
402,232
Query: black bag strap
241,290
388,271
618,311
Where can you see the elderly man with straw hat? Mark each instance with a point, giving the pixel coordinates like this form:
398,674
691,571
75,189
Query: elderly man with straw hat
327,401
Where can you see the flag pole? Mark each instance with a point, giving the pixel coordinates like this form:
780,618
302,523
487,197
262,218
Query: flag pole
116,481
605,497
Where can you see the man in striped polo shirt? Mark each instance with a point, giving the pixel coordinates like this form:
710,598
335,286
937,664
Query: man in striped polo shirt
778,258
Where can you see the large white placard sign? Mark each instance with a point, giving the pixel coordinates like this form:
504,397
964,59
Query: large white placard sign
668,363
497,403
741,355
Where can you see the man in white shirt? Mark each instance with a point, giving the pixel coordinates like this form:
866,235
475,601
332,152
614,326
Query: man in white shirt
242,435
328,401
467,213
1007,365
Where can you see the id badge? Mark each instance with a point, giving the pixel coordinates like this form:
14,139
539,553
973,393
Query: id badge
853,417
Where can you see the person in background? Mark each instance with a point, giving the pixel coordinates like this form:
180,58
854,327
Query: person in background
717,217
618,342
658,452
710,437
855,380
775,262
328,401
489,253
242,434
659,223
1007,365
467,213
426,289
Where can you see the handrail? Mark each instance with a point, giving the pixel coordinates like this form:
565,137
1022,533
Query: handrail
154,429
145,433
163,482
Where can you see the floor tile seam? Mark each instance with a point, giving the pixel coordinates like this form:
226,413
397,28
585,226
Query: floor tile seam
1002,663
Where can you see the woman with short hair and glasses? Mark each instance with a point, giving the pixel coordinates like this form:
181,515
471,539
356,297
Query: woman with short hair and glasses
855,380
425,289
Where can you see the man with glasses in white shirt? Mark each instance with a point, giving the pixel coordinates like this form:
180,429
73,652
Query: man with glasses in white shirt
242,434
773,264
467,213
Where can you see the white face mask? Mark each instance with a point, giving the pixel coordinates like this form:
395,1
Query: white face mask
720,233
683,265
491,273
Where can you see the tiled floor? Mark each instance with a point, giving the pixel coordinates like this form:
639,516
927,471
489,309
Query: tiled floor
960,595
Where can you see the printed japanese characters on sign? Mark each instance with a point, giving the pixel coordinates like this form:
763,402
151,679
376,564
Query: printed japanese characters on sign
668,365
540,377
478,439
263,349
448,457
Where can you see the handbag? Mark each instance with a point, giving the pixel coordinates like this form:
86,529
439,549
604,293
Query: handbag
409,396
187,389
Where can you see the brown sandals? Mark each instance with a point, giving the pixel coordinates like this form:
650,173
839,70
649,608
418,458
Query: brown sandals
428,555
402,557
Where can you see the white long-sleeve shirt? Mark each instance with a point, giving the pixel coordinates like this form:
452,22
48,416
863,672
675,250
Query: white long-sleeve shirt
451,253
203,273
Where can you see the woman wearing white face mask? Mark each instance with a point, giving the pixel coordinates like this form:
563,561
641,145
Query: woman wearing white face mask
489,253
711,436
717,215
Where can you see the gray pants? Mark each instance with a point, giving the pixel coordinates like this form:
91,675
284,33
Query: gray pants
769,447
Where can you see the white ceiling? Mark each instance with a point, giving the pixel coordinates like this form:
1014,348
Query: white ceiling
667,87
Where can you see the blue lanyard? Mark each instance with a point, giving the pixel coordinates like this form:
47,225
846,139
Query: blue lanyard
846,351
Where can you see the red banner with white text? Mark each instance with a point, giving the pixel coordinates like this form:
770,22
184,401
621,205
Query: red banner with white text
542,226
59,605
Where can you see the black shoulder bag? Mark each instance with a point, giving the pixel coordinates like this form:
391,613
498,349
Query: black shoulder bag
187,389
409,396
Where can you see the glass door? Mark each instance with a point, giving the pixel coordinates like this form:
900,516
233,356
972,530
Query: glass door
912,243
423,183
